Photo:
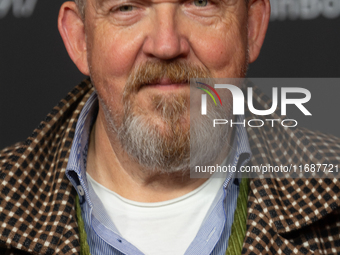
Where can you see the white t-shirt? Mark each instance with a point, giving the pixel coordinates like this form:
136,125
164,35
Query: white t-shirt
165,228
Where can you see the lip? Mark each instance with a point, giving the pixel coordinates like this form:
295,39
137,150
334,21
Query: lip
167,84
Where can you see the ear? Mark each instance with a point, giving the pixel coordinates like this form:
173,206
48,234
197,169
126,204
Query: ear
258,19
72,30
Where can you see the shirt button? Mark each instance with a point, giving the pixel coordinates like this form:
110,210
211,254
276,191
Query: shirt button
80,190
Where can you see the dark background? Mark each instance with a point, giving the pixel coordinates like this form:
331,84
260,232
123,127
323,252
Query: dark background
36,72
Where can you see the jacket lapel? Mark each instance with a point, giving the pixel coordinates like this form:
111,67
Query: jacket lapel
279,207
39,217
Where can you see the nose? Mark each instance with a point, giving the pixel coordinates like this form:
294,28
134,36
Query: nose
166,39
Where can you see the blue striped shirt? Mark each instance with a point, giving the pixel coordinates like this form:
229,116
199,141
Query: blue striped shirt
102,235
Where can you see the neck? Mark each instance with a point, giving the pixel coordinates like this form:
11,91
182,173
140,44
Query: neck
112,167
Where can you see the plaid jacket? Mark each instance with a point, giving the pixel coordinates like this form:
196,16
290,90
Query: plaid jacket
285,216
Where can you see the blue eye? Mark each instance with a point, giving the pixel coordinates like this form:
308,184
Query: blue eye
200,3
126,8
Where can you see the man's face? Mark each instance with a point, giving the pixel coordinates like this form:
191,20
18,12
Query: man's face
141,55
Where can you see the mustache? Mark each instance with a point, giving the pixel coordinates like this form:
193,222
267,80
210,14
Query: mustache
151,72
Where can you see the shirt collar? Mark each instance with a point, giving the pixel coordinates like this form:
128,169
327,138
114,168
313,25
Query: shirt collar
240,153
76,167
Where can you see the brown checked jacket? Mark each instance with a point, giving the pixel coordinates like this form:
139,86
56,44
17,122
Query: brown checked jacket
285,216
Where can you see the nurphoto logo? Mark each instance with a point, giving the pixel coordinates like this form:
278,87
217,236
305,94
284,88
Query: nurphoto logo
238,100
239,126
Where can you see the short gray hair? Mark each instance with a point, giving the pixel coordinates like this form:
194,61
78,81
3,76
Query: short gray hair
81,7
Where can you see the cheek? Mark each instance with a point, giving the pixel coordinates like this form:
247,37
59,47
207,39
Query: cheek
114,53
111,56
221,49
213,52
221,52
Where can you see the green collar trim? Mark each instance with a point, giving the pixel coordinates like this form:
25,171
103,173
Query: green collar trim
239,227
84,247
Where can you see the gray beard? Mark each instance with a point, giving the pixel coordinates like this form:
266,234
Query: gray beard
175,150
173,146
